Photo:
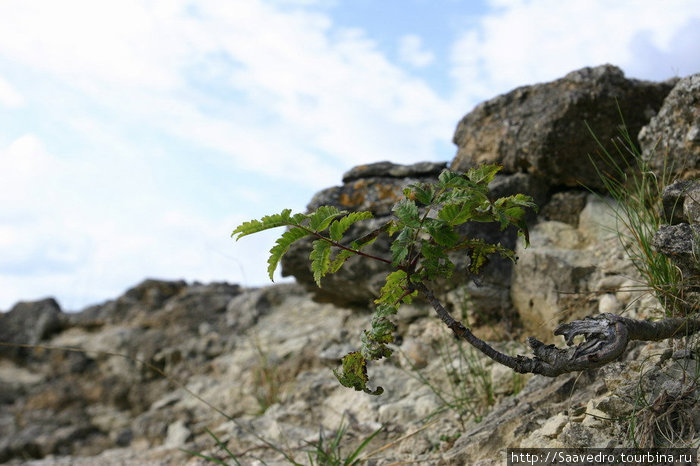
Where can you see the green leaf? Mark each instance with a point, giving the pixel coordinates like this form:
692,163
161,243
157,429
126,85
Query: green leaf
483,174
320,259
456,214
394,289
407,211
392,227
480,250
399,248
449,179
269,221
435,262
344,254
423,193
340,226
354,373
323,216
339,260
282,246
443,234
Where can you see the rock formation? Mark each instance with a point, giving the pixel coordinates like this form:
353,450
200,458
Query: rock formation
137,379
538,134
671,140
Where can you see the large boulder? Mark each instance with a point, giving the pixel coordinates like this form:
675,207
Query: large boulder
557,278
537,133
542,129
377,187
671,140
29,323
680,240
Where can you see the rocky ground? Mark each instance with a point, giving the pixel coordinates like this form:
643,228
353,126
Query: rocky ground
144,377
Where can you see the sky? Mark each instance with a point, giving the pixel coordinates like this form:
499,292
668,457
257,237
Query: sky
135,135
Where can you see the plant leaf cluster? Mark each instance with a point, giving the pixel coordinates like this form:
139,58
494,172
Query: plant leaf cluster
425,234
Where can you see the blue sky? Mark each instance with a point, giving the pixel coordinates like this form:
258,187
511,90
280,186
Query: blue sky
135,135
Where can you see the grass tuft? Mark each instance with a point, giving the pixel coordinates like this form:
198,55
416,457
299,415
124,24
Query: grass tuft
638,208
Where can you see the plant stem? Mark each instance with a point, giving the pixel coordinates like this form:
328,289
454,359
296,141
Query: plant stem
341,246
461,331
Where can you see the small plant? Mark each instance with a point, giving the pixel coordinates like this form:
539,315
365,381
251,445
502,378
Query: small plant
637,190
266,380
327,451
468,390
425,230
425,233
222,446
659,419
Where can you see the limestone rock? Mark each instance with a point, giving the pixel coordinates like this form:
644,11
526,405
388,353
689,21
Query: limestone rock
564,206
541,129
375,187
167,361
555,278
673,200
671,140
681,243
29,323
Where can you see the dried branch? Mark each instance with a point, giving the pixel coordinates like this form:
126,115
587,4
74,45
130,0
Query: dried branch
605,339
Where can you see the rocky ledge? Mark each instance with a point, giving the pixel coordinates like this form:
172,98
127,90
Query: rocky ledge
144,377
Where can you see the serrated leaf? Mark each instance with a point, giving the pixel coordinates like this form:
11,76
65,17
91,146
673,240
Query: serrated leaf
320,259
339,260
435,262
386,310
483,174
372,349
394,289
406,210
282,246
480,250
354,373
323,216
443,234
269,221
450,179
381,333
392,228
455,214
423,193
340,226
399,248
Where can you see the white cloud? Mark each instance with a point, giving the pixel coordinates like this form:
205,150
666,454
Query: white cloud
83,232
524,42
9,96
134,105
123,43
411,51
252,90
306,91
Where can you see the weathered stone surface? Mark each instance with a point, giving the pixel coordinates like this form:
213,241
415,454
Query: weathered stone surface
557,278
375,187
564,206
541,129
360,280
29,323
681,243
671,140
101,408
168,360
673,200
392,170
691,203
